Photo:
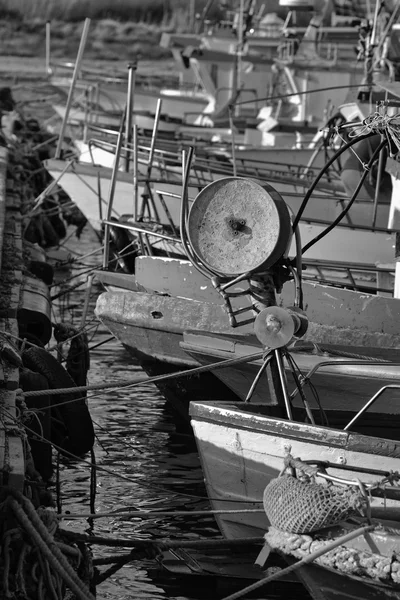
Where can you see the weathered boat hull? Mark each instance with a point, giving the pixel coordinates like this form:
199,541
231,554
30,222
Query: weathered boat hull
157,351
343,386
325,584
152,326
243,450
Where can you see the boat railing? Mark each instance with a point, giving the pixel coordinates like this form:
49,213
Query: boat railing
345,362
325,51
350,275
372,401
206,168
100,76
144,237
139,228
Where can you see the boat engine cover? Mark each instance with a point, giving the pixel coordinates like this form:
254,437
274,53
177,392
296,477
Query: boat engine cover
237,225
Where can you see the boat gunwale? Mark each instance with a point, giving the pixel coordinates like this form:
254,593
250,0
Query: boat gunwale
230,414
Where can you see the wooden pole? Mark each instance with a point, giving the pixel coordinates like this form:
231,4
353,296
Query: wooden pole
49,70
192,15
72,87
135,174
129,116
111,192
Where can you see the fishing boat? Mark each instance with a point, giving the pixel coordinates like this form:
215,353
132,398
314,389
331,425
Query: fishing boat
172,297
317,476
245,448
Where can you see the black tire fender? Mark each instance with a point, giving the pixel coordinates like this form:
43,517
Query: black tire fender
71,421
41,449
42,270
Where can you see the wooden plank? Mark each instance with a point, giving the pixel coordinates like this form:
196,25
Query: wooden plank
3,170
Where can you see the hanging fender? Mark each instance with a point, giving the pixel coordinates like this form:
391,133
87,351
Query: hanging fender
71,425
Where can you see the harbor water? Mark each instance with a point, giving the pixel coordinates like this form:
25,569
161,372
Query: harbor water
142,463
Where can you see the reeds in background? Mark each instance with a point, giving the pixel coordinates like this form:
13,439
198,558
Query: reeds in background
120,29
149,11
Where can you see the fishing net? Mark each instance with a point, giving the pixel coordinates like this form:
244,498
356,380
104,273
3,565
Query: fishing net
299,506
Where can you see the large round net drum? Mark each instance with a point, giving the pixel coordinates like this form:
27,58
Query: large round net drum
237,225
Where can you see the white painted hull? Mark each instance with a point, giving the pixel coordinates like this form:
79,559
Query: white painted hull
241,452
343,244
78,116
112,98
83,184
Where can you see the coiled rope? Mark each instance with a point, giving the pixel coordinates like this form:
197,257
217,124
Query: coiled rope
29,520
304,561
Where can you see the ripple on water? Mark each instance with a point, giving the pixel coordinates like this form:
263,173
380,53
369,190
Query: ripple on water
142,463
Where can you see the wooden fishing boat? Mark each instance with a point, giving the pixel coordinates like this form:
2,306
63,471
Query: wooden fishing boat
173,297
243,449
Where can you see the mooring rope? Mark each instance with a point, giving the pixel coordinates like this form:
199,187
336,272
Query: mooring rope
144,380
164,544
304,561
165,513
28,518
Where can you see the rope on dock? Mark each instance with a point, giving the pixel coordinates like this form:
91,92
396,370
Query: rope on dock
146,380
50,553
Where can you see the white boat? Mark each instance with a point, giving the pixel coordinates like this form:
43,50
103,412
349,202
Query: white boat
243,449
355,242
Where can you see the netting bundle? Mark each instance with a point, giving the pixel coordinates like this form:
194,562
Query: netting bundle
302,507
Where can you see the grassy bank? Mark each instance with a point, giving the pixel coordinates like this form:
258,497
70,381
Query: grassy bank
150,11
120,30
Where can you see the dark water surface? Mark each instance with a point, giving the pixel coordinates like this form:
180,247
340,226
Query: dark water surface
142,463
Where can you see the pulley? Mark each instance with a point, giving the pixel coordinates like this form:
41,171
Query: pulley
236,226
275,326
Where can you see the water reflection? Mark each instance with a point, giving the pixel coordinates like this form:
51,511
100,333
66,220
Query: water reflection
142,463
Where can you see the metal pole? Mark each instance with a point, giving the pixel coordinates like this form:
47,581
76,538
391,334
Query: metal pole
378,183
72,87
129,117
135,174
192,15
282,377
154,138
239,51
49,70
231,125
111,192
